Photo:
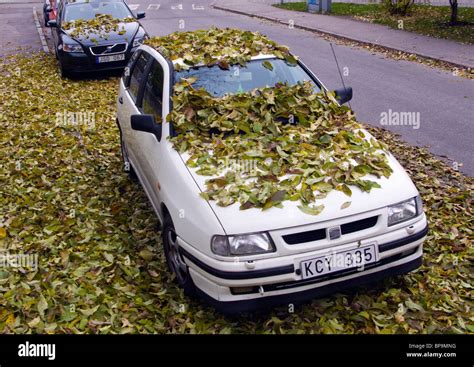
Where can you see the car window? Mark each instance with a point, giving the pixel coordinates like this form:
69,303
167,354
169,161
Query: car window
137,74
128,69
238,79
153,92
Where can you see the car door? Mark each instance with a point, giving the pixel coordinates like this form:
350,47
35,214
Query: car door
148,148
124,102
56,31
130,103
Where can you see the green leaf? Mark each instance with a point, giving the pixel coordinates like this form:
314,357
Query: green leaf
311,210
257,127
267,64
42,306
413,306
90,311
108,257
325,139
345,189
345,205
146,254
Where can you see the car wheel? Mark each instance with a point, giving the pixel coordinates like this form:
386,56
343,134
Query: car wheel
175,260
127,167
64,73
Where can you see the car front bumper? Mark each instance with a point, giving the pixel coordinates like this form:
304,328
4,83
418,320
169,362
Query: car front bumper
84,62
278,280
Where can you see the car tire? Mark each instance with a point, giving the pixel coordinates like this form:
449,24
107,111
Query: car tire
127,167
64,73
175,260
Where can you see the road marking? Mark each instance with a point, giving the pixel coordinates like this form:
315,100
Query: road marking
177,7
198,7
40,31
153,7
133,6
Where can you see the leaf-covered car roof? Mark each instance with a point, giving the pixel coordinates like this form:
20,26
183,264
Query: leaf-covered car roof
288,142
217,46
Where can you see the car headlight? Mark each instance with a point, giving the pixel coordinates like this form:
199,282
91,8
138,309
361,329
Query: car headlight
404,211
137,41
72,47
246,244
139,38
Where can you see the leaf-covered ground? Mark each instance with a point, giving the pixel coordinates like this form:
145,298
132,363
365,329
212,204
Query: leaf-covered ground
64,197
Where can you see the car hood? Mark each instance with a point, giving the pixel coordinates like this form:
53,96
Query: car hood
398,187
130,30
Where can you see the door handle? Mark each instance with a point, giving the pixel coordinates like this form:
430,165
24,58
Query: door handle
120,100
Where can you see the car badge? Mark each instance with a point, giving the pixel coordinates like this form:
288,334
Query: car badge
334,232
108,49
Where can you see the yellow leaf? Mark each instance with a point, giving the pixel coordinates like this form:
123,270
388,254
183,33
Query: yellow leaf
10,319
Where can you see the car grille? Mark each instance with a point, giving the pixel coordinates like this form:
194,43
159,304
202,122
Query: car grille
320,234
108,49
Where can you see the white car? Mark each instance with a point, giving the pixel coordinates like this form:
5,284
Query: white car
240,260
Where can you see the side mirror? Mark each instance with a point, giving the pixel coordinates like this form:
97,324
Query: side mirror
147,124
343,95
52,23
140,14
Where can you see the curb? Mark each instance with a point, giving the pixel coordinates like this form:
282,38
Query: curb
40,31
343,37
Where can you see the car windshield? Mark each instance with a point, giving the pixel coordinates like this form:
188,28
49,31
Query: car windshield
88,11
238,79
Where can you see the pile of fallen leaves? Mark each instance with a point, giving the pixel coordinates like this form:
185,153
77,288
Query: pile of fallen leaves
101,269
100,26
220,46
304,145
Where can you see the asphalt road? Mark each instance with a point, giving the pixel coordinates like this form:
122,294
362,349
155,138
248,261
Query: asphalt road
445,102
17,27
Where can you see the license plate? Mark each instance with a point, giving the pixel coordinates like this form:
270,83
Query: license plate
340,260
111,58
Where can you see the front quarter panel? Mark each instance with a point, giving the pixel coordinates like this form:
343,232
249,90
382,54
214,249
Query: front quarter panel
193,218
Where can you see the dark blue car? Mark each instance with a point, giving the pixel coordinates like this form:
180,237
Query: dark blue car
82,49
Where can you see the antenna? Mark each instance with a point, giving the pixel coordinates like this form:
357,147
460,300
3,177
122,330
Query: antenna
339,70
